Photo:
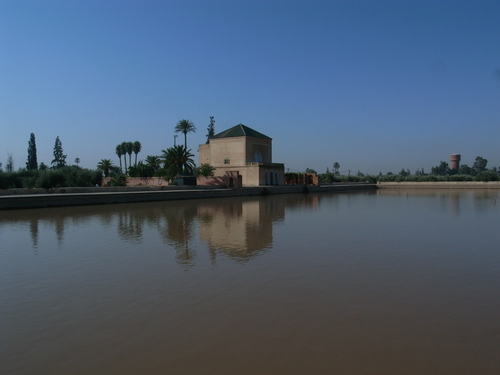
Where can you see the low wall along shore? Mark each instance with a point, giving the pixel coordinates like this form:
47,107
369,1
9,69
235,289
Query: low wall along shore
440,185
39,198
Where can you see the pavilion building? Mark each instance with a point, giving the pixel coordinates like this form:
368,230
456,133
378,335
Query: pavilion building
245,154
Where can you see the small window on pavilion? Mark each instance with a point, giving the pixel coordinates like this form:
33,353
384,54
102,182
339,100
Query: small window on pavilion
226,161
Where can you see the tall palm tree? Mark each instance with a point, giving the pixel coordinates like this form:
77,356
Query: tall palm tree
136,148
130,150
336,167
105,166
178,160
185,126
118,151
123,147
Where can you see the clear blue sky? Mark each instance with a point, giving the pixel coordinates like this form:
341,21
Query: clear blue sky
373,85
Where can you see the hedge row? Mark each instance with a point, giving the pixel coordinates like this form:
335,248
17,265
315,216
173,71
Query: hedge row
71,176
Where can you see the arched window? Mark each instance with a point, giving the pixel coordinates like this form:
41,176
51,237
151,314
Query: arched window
258,157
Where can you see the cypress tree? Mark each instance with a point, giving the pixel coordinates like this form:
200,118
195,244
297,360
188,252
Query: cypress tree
32,163
211,129
59,157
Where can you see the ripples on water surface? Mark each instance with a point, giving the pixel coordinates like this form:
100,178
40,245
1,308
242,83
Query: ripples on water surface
366,283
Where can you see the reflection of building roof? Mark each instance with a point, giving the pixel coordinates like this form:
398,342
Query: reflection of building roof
240,131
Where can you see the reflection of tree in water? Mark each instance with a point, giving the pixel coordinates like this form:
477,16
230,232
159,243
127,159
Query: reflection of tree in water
173,221
205,217
130,226
178,229
485,200
133,221
34,231
58,223
300,201
450,199
44,221
106,219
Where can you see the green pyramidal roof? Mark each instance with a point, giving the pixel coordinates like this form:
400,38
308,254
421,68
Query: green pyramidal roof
240,131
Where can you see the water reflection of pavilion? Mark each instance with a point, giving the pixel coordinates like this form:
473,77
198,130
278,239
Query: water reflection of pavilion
240,229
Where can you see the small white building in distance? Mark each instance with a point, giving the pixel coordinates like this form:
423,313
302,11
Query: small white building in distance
246,152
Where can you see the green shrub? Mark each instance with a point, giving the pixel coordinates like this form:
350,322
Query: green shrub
79,177
371,179
30,181
10,180
118,180
141,170
487,176
96,178
460,177
50,179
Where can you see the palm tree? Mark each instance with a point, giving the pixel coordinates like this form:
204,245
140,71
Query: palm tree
185,126
118,151
141,170
136,148
105,165
336,167
130,150
154,161
123,148
205,170
178,160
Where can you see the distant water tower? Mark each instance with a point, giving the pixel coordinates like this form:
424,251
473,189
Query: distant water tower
455,161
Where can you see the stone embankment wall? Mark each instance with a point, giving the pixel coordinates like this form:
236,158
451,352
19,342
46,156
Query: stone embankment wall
98,189
39,198
31,198
440,185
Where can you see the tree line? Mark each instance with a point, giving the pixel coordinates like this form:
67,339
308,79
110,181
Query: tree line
479,166
173,161
178,160
59,160
442,172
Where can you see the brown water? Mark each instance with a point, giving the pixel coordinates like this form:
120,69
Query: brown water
365,283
